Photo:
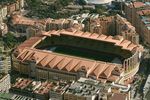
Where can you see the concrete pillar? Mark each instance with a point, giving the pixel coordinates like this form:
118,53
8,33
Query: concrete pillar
131,64
125,65
128,65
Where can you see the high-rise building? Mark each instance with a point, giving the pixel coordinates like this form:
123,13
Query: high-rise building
138,14
114,25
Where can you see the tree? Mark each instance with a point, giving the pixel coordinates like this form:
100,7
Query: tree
82,2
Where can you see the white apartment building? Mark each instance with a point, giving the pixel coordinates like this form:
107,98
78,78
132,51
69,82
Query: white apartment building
4,83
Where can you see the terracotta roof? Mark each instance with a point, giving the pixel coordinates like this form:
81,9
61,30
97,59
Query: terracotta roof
71,64
136,4
21,20
30,42
22,83
17,19
103,71
125,44
118,96
144,12
58,21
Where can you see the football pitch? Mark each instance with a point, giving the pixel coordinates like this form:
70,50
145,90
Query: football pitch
84,53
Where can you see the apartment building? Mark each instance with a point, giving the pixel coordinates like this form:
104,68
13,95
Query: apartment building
146,88
4,82
138,14
5,64
3,29
130,10
57,93
114,25
144,25
11,96
118,96
101,25
124,28
42,90
1,46
3,12
5,60
8,7
30,27
84,89
89,89
52,24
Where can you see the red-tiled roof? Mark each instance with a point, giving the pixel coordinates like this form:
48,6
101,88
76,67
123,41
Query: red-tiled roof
136,4
47,59
118,96
21,20
144,12
69,63
125,44
30,42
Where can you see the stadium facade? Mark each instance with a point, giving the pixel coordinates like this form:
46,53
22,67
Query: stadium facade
38,57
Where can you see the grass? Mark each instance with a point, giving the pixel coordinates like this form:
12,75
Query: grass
85,53
5,96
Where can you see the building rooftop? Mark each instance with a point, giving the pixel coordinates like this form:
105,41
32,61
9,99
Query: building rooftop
30,42
125,44
18,19
145,17
21,20
85,87
118,96
147,85
10,96
136,4
39,87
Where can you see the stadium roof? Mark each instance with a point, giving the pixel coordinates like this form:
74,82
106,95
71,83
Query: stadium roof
103,71
46,59
125,44
117,41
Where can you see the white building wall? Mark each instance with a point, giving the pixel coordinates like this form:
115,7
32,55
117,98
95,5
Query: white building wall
4,12
5,84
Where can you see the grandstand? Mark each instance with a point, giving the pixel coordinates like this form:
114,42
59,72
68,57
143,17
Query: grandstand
71,54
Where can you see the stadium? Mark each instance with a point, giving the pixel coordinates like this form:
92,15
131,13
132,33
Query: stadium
70,54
